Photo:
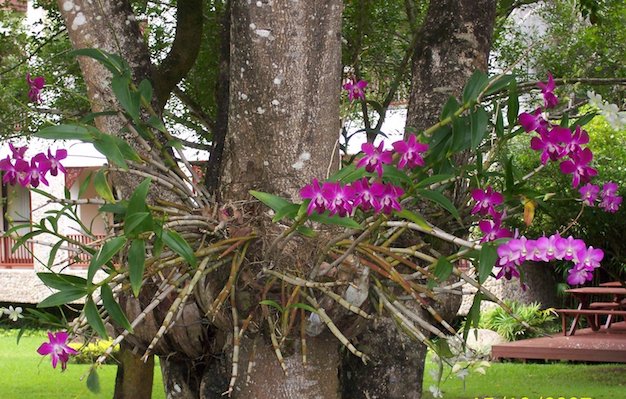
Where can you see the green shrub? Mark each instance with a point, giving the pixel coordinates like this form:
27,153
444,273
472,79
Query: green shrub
505,324
88,354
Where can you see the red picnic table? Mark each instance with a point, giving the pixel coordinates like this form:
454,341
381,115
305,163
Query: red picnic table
593,310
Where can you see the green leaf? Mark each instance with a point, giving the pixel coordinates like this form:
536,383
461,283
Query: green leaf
583,120
498,83
137,202
136,264
509,181
433,179
178,244
477,82
107,146
335,220
113,63
299,305
53,253
273,201
461,140
440,200
145,89
65,132
512,106
157,123
478,121
473,316
102,186
93,381
306,231
391,174
94,319
113,308
288,211
451,106
499,123
106,252
413,217
85,185
348,174
137,223
443,269
118,208
272,303
62,297
63,282
486,261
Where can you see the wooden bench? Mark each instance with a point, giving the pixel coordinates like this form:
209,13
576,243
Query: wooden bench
592,317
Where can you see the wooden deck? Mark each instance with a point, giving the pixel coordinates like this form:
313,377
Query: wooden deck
586,345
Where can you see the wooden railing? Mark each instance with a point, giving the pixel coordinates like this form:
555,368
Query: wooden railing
22,257
76,256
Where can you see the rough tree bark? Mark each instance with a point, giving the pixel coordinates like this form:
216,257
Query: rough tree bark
454,41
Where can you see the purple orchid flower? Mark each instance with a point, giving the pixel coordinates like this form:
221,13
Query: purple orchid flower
356,91
53,161
589,193
568,248
589,258
547,89
36,85
313,191
611,204
486,200
374,158
551,143
576,141
533,121
10,173
18,152
57,348
578,275
363,196
578,167
338,197
492,229
410,152
388,196
609,189
508,271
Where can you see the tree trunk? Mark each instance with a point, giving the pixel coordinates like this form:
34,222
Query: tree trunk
283,126
455,41
134,378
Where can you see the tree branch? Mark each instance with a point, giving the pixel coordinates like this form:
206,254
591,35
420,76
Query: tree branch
183,52
195,108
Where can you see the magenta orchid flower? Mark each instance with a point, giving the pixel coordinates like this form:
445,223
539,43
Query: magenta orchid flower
53,161
313,191
363,196
589,258
57,348
568,248
18,152
388,196
508,271
547,89
609,189
486,200
10,173
589,193
551,143
374,158
356,91
36,85
410,151
576,141
492,229
533,122
611,204
578,275
578,167
338,198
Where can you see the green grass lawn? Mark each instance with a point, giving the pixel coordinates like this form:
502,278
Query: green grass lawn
25,374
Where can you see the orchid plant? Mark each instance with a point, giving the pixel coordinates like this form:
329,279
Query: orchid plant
376,200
